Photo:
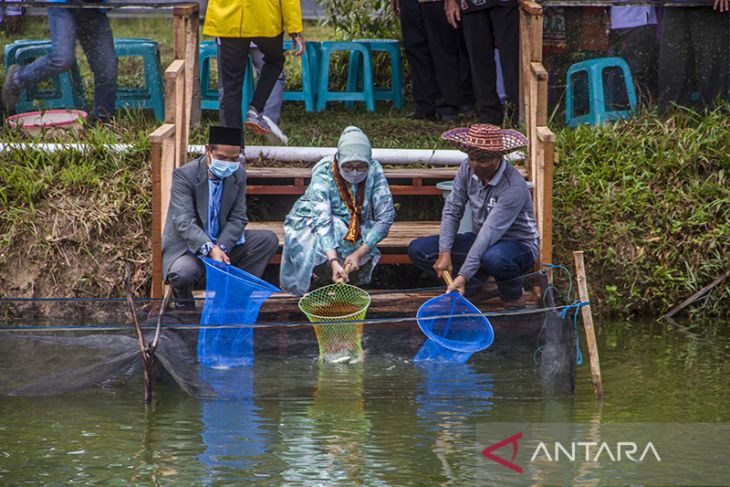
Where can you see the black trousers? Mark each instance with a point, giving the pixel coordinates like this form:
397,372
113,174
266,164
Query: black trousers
693,44
481,29
639,47
435,53
232,60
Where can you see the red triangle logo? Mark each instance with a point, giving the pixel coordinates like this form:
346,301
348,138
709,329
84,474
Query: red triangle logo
514,439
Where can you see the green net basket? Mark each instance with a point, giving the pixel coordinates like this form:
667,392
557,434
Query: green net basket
336,303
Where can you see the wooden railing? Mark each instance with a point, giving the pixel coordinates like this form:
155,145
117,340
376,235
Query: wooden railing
169,142
533,107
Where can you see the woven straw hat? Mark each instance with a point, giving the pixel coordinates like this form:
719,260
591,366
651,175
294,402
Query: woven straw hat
483,139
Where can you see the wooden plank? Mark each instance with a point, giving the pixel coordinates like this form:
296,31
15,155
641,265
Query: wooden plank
162,132
167,166
397,190
531,8
525,44
580,272
384,259
192,72
404,173
156,157
387,302
400,235
541,75
172,73
547,138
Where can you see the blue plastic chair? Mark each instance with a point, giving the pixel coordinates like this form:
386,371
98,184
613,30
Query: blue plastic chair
151,95
593,88
392,48
209,97
310,68
366,95
66,89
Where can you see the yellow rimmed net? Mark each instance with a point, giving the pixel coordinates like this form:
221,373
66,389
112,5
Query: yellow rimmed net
334,303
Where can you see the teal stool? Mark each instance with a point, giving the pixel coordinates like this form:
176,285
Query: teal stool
392,48
151,95
324,95
209,97
65,91
310,68
594,91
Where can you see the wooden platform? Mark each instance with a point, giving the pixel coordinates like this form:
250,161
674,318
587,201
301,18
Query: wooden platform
402,182
401,234
400,303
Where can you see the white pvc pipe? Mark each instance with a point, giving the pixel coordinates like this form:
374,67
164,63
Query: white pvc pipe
294,154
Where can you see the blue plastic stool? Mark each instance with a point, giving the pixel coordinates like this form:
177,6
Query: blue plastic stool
590,99
151,95
310,68
392,48
209,97
66,90
324,95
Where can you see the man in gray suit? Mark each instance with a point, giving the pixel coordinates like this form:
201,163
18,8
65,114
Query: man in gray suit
207,217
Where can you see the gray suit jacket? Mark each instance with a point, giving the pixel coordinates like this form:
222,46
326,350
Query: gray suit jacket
187,216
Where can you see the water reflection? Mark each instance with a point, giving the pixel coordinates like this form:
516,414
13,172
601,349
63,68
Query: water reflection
234,434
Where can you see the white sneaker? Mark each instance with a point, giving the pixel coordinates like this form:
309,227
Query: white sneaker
276,135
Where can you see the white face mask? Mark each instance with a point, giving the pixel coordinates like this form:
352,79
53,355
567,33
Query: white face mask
354,177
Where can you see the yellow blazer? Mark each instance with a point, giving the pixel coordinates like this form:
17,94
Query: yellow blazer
252,18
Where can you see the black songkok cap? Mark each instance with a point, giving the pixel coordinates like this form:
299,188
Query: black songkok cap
225,136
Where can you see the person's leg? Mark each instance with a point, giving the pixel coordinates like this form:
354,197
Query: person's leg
415,44
443,42
506,23
185,272
232,60
478,35
506,261
466,89
675,58
273,50
424,251
272,109
256,252
62,24
709,30
638,46
95,37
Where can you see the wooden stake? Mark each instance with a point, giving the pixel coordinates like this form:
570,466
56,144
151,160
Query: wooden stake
580,272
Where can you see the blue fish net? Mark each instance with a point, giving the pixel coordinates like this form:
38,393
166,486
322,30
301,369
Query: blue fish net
455,329
232,297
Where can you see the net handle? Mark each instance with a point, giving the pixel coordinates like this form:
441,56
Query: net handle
348,268
446,276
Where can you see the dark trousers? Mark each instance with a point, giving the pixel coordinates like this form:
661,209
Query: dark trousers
639,47
693,44
251,256
506,261
232,61
91,27
481,29
439,73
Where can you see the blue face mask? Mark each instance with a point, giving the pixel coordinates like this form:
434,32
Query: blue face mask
223,169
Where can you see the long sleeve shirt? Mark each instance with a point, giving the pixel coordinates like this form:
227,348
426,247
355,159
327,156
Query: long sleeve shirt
501,209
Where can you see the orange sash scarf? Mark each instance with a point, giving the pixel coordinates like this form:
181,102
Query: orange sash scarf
354,205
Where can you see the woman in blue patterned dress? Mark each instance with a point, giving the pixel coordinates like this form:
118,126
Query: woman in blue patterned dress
346,210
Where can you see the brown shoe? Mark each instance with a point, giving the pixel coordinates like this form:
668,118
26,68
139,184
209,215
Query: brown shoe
518,303
485,293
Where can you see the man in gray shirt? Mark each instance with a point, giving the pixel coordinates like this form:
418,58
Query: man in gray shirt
504,242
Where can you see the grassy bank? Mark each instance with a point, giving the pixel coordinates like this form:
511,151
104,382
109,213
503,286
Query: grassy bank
648,200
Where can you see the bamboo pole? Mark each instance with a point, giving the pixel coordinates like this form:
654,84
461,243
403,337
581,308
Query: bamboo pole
588,324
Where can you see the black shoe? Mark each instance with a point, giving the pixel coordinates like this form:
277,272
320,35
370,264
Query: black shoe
448,118
422,116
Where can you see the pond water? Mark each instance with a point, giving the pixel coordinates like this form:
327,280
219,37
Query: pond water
383,422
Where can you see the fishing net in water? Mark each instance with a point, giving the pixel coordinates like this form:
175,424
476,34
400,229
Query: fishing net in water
455,329
232,297
337,303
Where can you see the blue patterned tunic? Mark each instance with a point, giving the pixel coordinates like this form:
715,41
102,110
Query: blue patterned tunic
318,222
